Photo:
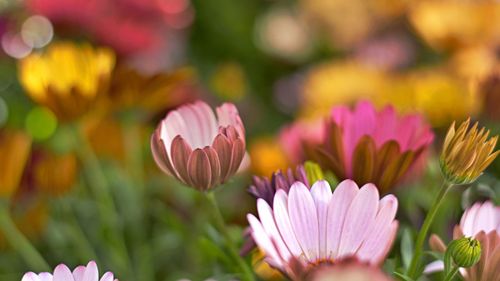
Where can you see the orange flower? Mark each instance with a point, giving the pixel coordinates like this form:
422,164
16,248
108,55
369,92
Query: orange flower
14,152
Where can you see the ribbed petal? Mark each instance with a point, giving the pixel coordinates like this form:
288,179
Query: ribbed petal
322,194
181,152
359,218
267,219
468,218
304,219
79,272
237,154
62,273
215,165
378,233
263,241
199,169
228,115
340,202
385,244
224,149
282,218
160,154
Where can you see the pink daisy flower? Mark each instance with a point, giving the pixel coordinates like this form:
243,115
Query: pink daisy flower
198,148
305,228
62,273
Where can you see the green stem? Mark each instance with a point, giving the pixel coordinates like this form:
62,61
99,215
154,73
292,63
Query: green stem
451,274
106,205
135,167
85,248
422,235
221,226
20,243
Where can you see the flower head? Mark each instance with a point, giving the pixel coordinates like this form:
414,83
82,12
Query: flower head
482,223
198,148
67,78
370,146
309,227
467,153
62,273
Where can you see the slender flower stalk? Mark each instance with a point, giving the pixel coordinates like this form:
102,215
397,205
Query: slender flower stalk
222,228
18,241
466,154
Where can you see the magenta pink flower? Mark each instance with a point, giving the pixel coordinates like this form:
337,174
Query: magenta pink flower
305,228
198,148
62,273
292,138
482,222
372,146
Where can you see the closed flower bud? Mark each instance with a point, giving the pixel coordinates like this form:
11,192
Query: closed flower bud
465,251
467,153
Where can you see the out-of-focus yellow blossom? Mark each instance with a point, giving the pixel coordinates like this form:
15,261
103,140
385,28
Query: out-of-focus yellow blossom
354,20
474,63
55,174
451,24
267,156
151,93
439,95
340,83
229,81
262,268
15,149
67,78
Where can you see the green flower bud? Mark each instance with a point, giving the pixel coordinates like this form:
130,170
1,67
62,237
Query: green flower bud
465,251
313,172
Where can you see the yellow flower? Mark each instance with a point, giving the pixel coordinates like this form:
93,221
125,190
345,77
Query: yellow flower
67,78
452,24
467,153
343,82
14,152
151,93
439,95
434,92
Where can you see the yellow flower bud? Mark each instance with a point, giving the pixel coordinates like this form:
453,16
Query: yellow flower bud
467,153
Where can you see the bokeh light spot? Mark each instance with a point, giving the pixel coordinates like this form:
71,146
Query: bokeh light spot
14,46
37,31
41,123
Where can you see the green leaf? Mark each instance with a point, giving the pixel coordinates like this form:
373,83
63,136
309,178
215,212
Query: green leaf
406,247
403,276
